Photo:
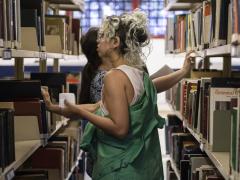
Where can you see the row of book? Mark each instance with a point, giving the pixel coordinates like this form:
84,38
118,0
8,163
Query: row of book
186,155
210,106
7,140
57,159
21,20
21,106
207,27
27,101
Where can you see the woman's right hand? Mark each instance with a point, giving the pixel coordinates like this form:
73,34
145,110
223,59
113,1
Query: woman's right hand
46,98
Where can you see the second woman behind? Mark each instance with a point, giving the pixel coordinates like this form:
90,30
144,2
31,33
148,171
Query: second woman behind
95,69
92,77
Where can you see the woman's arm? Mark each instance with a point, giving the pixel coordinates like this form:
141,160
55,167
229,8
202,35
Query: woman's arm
163,83
116,102
59,110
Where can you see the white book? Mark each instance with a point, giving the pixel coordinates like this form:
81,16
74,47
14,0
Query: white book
219,97
207,16
237,174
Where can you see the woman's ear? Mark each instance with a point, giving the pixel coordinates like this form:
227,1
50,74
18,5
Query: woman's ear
116,42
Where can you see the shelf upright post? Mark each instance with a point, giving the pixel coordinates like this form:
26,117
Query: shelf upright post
56,66
206,63
43,65
227,66
19,68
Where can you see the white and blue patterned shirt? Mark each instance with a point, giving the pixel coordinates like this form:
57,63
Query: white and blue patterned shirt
96,86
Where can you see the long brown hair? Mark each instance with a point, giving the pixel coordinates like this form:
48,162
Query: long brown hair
89,48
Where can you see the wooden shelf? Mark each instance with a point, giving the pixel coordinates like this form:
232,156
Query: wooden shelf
225,50
221,161
77,2
182,5
196,135
67,7
35,54
77,5
23,150
75,165
219,51
175,169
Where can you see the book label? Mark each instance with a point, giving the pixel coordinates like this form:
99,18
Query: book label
42,55
7,54
10,174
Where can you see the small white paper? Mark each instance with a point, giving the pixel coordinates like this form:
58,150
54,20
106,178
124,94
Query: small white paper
70,97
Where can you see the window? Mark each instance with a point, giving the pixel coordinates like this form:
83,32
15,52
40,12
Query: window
95,10
157,17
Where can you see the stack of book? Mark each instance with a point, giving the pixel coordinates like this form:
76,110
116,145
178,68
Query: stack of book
209,26
10,35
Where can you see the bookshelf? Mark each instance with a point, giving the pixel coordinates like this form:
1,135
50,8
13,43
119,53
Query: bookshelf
216,48
9,49
24,149
219,159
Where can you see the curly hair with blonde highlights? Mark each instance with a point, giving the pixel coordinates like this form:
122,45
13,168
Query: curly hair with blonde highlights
132,30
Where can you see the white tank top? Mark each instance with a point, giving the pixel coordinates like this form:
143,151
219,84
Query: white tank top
136,78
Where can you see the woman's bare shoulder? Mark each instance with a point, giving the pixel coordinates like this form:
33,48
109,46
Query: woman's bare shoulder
115,75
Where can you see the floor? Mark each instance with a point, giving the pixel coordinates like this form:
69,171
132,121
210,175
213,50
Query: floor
163,109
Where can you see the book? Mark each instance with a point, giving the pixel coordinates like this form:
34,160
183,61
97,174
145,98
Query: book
63,145
32,45
50,159
26,89
196,162
206,170
235,22
178,141
222,90
31,174
55,82
76,30
207,14
171,121
1,23
185,166
39,5
233,149
57,25
7,140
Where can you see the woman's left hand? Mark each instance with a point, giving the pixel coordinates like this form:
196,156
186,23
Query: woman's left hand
70,110
188,62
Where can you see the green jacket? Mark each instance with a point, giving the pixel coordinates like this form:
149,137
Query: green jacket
138,156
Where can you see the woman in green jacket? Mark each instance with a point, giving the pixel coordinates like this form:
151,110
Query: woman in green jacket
122,134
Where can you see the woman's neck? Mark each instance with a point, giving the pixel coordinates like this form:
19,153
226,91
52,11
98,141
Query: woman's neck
106,64
118,60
